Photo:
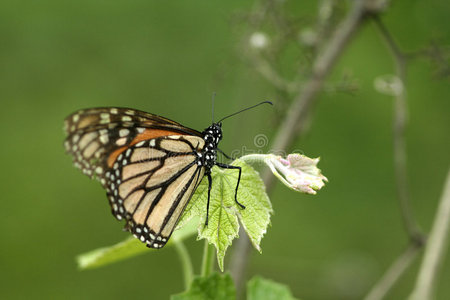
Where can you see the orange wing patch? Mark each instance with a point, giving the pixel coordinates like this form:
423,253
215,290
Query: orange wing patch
148,134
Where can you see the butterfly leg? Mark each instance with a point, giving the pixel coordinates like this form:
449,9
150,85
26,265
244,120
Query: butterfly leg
224,154
224,166
209,195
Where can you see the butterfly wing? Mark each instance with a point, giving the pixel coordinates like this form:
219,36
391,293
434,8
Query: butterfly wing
97,136
147,164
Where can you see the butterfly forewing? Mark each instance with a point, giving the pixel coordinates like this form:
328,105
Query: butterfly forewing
97,136
148,165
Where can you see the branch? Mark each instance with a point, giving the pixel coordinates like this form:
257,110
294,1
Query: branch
186,263
264,68
303,103
395,271
435,250
208,259
416,237
399,125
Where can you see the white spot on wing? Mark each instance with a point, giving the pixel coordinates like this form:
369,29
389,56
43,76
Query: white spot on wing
123,132
121,141
104,139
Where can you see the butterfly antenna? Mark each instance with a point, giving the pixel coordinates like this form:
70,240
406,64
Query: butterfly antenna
212,100
264,102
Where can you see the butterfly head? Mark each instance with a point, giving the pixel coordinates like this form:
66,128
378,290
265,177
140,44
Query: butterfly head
212,135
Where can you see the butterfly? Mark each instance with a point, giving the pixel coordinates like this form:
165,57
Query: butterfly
149,165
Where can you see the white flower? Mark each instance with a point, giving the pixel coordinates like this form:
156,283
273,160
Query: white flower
259,40
297,171
390,85
308,37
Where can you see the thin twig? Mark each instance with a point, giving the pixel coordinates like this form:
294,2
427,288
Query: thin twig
399,125
208,259
186,263
416,237
302,105
264,68
435,249
395,271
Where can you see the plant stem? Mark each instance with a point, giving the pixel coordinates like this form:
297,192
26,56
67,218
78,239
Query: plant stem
395,271
435,249
208,260
186,263
399,126
416,237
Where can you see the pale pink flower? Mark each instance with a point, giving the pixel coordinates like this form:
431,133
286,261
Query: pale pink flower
298,172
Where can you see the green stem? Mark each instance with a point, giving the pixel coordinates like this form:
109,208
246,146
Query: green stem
188,270
208,259
255,158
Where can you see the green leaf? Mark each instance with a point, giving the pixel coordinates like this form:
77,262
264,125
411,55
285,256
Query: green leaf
259,288
127,249
213,287
224,213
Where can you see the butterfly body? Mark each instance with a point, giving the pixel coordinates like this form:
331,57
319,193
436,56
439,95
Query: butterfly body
149,165
212,136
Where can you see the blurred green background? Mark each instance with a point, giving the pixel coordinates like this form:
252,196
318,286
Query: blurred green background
167,57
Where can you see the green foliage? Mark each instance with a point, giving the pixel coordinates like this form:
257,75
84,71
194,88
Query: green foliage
223,218
259,288
214,287
224,213
127,249
221,287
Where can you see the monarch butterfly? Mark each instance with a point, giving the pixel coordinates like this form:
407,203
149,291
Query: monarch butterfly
149,165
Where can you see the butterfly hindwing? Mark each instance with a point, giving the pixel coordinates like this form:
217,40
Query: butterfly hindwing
151,184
